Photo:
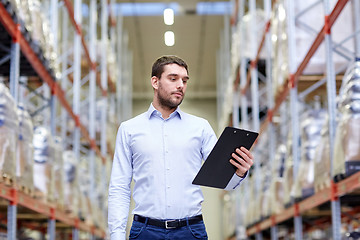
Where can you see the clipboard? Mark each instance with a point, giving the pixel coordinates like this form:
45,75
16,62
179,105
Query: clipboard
217,171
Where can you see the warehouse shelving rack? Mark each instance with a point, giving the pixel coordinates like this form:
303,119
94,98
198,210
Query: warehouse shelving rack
27,61
327,195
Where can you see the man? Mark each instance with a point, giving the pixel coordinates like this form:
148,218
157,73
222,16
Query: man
162,151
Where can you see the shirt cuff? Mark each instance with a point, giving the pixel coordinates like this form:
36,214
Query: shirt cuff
235,181
117,235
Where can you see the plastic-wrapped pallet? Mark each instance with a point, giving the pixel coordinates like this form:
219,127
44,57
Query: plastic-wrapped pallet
21,11
101,190
85,209
42,34
265,192
25,152
9,125
322,175
71,191
58,171
311,126
347,139
44,156
31,14
95,199
288,171
264,178
314,19
277,181
261,182
248,50
250,213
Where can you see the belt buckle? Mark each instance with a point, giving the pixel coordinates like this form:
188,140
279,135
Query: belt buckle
169,221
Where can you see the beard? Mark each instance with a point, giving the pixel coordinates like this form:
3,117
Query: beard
166,100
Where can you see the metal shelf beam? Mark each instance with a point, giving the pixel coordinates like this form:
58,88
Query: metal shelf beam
339,189
19,198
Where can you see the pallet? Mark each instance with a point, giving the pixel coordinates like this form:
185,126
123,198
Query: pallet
60,206
321,185
7,180
26,190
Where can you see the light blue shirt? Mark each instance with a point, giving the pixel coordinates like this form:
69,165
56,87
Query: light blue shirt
162,156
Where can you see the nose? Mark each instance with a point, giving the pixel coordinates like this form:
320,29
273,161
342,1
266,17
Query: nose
180,83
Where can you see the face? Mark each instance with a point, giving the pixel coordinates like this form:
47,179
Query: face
170,88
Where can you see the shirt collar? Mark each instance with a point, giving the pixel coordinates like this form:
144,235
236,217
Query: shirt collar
152,111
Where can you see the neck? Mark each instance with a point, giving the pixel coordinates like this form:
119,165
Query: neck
164,110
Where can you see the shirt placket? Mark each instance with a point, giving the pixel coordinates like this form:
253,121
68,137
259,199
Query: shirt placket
167,167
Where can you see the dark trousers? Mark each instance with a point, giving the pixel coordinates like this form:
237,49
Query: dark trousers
144,231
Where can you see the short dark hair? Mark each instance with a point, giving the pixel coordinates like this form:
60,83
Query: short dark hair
158,66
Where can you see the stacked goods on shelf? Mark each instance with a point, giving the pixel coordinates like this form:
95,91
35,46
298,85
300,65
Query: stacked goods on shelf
9,125
242,197
247,46
95,205
99,106
103,193
277,181
235,50
112,66
308,24
112,127
262,151
98,198
347,140
36,29
228,213
249,218
58,171
288,167
25,152
44,155
322,160
265,191
279,45
71,195
288,171
85,210
111,121
311,125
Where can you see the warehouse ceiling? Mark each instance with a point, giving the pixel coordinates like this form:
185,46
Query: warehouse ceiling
197,39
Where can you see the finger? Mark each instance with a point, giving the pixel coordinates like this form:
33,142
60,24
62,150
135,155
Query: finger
240,169
244,156
237,157
240,161
247,152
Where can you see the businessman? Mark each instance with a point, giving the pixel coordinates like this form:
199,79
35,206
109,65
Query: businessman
162,150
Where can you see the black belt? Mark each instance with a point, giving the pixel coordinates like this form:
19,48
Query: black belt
168,224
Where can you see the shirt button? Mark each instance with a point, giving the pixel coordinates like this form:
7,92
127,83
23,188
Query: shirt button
168,187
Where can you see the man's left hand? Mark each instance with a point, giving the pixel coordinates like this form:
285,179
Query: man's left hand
243,163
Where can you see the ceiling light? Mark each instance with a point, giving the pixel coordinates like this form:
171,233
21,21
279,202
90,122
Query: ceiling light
169,37
169,16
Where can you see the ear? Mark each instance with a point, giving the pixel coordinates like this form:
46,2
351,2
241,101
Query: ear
155,82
